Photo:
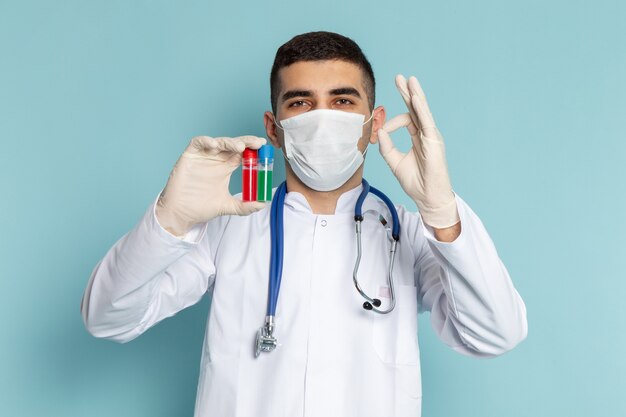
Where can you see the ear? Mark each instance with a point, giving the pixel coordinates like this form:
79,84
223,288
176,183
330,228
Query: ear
271,129
378,120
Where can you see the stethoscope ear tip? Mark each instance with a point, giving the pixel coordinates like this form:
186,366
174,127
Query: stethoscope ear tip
368,306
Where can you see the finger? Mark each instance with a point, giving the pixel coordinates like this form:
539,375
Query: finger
403,88
388,151
238,144
385,144
402,120
421,105
252,142
415,87
427,122
213,146
244,208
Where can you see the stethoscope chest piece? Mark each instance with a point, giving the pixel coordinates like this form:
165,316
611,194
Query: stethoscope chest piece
265,340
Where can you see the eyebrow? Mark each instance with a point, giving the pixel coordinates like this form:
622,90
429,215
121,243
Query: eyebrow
350,91
345,91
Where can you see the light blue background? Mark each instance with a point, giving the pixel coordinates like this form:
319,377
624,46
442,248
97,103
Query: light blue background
98,100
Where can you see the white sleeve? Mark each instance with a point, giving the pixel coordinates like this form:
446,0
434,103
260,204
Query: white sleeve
474,306
147,276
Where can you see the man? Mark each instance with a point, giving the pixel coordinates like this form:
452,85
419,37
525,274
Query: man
334,358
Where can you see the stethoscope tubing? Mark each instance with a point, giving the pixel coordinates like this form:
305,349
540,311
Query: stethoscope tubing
265,340
372,304
277,247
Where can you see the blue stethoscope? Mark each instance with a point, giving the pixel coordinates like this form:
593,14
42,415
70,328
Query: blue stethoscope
265,340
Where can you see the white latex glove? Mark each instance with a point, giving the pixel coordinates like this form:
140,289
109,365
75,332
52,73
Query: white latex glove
423,171
197,188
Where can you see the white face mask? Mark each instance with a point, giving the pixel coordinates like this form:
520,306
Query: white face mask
321,146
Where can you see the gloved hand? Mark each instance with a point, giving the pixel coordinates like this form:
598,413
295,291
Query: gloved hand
197,188
423,171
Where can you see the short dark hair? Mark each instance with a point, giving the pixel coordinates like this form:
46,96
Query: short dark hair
320,46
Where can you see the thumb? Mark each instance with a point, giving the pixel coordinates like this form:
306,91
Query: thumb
244,208
388,151
385,144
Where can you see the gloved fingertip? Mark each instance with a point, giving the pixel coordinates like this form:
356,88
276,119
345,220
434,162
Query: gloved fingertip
395,123
244,208
402,83
257,143
250,207
385,144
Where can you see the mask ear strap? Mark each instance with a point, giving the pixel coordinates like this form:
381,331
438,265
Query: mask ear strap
282,148
366,148
368,142
277,125
371,115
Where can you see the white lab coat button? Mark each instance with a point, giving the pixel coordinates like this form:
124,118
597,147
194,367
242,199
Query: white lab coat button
323,222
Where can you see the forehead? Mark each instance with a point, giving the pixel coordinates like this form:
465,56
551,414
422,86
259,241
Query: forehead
320,76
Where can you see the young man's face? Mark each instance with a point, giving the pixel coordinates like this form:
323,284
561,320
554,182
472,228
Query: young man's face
331,84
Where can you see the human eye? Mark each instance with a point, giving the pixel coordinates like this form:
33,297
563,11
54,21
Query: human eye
344,102
297,103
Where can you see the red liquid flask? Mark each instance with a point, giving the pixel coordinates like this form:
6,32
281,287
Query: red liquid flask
249,174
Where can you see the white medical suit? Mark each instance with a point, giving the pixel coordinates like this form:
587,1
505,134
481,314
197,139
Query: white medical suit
335,358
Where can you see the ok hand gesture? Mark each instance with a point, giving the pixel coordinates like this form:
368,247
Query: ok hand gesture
423,171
